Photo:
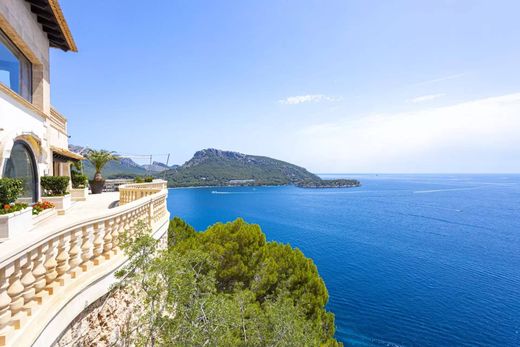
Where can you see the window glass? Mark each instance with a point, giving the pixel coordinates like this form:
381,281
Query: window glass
21,165
15,69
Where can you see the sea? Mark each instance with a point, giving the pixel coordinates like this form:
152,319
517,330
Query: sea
408,260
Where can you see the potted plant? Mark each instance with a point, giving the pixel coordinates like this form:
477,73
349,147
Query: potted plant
79,191
15,218
99,159
55,191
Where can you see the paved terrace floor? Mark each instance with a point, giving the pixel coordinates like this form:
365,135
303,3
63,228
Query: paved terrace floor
80,211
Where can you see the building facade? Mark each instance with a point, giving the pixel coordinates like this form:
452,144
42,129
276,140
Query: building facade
33,135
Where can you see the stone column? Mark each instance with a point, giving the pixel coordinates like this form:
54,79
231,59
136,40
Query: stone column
5,299
63,259
50,265
99,230
15,289
86,248
74,252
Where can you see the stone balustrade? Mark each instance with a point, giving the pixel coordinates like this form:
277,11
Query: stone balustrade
134,191
35,280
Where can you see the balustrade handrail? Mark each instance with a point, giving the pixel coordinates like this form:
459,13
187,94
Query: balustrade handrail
32,271
7,258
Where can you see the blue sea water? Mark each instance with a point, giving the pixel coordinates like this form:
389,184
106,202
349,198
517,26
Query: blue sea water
409,260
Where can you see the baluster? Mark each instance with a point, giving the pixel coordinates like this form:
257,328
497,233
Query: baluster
5,299
98,243
39,273
74,252
28,282
86,251
62,259
50,265
16,287
115,233
107,240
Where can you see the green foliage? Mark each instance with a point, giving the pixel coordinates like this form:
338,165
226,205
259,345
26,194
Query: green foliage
10,190
99,158
11,208
226,286
212,167
179,231
55,185
78,179
146,179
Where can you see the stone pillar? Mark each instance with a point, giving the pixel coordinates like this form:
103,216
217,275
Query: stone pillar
5,299
86,252
63,259
74,252
99,230
50,265
15,289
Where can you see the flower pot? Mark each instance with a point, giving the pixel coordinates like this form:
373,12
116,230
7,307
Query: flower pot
43,215
16,223
97,186
79,194
62,203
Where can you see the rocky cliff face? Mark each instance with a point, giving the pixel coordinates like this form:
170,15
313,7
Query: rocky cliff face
106,322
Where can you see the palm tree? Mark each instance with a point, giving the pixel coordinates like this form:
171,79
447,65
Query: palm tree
99,159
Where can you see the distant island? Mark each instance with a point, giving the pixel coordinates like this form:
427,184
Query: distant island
214,167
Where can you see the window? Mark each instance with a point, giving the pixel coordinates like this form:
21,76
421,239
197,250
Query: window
15,69
21,164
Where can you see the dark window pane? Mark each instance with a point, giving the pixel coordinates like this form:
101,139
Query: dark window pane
21,165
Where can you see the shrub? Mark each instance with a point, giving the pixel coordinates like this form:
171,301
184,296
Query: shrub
138,179
148,179
10,190
55,185
78,179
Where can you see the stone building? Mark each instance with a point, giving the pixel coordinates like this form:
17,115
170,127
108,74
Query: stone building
33,135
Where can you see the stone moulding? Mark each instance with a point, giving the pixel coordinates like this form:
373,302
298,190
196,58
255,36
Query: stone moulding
38,278
79,194
43,215
15,224
62,203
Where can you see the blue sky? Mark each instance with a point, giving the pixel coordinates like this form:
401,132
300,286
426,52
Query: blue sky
335,86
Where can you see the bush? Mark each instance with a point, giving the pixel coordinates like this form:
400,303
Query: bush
148,179
55,185
78,179
10,190
138,179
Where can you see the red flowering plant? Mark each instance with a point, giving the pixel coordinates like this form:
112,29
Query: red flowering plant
41,206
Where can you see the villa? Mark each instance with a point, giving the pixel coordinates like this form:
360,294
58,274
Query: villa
54,265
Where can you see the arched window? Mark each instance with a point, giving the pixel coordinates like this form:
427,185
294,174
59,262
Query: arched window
21,164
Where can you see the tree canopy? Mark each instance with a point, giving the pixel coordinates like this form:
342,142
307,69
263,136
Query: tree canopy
226,286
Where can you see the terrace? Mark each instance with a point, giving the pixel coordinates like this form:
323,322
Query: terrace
50,273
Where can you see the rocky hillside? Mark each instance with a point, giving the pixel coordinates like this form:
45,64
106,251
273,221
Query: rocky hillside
125,168
210,167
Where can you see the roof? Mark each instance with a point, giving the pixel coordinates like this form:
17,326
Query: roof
65,154
50,16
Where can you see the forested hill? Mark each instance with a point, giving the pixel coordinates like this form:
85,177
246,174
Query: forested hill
213,167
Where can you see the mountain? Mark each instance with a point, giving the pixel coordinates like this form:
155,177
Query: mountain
157,167
214,167
124,168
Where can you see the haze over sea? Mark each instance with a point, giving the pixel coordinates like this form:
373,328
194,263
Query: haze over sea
409,260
